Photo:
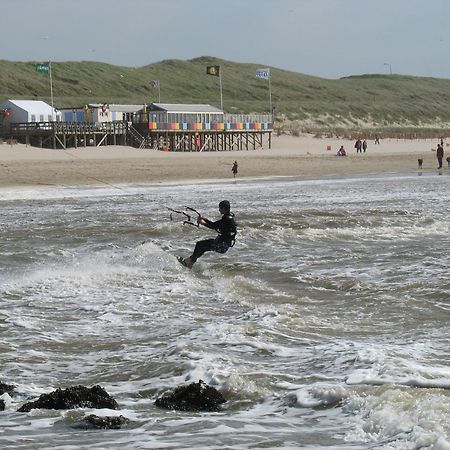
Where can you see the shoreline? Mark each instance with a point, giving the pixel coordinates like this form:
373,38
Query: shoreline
303,157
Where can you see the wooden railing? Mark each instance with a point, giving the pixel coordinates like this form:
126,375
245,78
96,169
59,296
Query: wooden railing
67,127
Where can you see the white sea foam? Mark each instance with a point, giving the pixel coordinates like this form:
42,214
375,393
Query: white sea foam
402,418
315,326
320,395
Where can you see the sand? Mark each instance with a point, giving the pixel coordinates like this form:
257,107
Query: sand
301,157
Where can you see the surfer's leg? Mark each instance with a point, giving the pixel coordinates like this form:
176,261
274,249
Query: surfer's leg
201,247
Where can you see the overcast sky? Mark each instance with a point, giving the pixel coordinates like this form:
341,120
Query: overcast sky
326,38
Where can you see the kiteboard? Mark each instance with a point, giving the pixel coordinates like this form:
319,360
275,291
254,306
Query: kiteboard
181,261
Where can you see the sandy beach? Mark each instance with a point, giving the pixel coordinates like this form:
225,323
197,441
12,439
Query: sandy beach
304,157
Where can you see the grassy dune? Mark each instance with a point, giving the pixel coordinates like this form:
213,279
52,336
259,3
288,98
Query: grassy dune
387,104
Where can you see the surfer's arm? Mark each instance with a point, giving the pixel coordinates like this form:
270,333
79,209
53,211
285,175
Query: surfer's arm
208,223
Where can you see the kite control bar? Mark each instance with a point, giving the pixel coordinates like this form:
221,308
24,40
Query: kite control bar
188,217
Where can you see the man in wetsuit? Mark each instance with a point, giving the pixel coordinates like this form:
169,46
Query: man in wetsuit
226,227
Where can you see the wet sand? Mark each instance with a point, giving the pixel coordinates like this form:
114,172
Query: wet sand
303,157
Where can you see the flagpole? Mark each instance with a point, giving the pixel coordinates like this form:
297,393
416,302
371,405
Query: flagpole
159,92
220,82
51,88
265,75
270,96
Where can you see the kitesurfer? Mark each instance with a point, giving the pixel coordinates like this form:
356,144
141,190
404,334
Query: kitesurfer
225,226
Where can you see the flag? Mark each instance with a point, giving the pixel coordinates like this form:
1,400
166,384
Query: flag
263,73
154,83
42,68
213,70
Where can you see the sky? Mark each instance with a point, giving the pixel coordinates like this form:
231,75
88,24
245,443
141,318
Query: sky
324,38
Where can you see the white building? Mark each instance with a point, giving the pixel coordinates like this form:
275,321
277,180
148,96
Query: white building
21,111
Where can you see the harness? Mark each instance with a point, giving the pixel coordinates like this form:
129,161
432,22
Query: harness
232,236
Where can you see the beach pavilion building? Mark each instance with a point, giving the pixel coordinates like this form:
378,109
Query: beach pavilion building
199,127
160,126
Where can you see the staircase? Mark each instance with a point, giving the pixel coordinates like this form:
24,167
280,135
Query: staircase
137,137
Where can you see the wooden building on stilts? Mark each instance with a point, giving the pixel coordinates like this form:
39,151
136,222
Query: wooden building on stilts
158,126
198,127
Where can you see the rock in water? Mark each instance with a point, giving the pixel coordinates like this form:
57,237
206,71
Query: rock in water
193,397
73,397
110,422
9,388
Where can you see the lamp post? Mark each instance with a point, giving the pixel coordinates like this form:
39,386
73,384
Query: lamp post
390,67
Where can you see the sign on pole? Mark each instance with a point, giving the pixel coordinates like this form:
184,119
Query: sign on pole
42,68
264,74
156,84
47,69
216,72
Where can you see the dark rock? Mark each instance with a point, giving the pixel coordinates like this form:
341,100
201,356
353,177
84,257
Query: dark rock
110,422
2,405
9,388
73,397
193,397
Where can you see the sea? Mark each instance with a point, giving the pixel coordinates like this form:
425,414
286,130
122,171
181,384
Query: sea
326,326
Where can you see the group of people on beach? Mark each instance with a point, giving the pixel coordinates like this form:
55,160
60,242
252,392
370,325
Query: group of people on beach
359,145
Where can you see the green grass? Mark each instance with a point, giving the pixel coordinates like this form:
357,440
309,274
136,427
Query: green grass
381,103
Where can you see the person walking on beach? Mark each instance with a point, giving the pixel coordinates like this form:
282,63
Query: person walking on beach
198,142
440,155
225,226
358,146
364,145
234,169
377,139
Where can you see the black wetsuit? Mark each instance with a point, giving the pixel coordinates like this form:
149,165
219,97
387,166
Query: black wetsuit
226,227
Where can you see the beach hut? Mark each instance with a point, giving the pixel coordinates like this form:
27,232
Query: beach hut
124,112
99,113
25,111
181,113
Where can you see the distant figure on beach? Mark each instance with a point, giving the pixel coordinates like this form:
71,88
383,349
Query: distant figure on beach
448,160
341,151
377,139
420,162
234,169
364,145
358,146
225,226
198,142
440,155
